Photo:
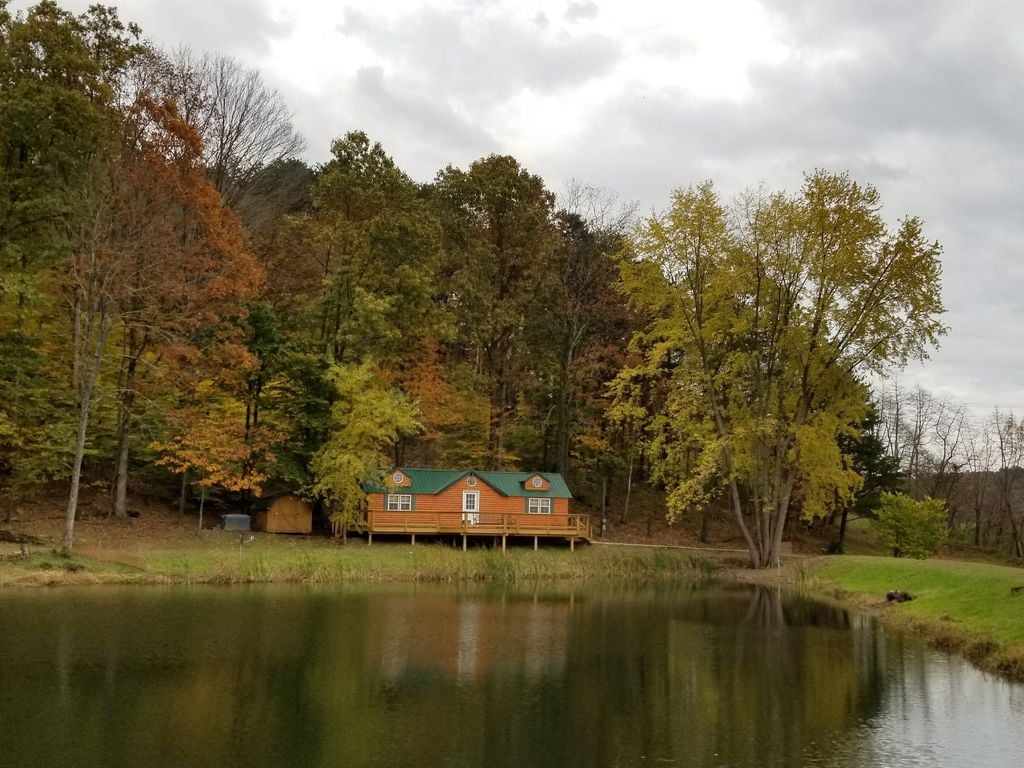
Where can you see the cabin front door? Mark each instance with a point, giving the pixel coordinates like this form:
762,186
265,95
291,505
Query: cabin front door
471,507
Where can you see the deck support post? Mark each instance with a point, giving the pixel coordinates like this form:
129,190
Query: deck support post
414,539
463,542
503,537
572,543
369,538
534,543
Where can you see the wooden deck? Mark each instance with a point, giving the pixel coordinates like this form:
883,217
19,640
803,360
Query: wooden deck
572,527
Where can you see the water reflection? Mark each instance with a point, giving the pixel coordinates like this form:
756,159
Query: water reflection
468,637
449,677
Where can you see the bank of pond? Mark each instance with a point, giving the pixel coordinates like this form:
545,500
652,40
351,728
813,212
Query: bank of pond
243,558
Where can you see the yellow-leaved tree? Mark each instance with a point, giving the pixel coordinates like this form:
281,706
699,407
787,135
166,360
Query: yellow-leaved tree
367,418
764,316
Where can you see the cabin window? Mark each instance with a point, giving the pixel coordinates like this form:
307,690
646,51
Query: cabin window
398,477
470,501
399,502
471,481
537,482
538,506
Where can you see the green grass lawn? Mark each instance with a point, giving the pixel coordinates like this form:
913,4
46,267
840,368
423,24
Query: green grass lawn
974,601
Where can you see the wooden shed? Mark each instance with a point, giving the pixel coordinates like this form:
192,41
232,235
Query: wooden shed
285,513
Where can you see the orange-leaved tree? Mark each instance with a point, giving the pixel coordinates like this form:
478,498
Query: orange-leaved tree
185,273
208,440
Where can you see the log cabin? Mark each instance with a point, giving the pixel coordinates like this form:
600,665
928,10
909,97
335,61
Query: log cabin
472,503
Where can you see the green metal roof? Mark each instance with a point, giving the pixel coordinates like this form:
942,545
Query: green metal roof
506,483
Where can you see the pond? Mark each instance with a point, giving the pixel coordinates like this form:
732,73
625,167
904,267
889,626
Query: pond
428,676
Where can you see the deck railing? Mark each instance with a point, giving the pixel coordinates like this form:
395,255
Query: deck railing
479,524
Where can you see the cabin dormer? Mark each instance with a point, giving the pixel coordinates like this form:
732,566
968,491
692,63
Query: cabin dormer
536,482
398,478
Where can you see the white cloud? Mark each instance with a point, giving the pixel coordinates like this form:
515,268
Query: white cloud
920,99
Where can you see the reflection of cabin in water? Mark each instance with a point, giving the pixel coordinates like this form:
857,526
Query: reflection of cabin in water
472,503
469,638
282,514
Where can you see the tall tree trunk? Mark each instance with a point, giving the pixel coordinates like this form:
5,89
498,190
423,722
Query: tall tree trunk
202,503
604,505
842,528
126,399
734,490
772,557
184,489
121,475
96,335
705,525
498,408
11,505
562,436
502,419
76,334
629,488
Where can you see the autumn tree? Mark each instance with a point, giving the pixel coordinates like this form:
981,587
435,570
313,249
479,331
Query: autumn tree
499,237
183,271
367,418
586,324
207,440
250,146
353,280
58,75
774,308
155,258
379,249
58,115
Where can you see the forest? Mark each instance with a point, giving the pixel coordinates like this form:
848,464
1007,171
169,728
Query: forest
190,310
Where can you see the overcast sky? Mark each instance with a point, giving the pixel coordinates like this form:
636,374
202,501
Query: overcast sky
923,99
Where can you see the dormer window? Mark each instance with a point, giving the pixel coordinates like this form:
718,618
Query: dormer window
537,482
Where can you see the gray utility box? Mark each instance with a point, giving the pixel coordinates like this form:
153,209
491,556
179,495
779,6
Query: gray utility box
234,522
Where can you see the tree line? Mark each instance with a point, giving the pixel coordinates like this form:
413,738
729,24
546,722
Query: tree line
971,463
184,297
186,305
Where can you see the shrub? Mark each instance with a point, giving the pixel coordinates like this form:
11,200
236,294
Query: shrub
911,528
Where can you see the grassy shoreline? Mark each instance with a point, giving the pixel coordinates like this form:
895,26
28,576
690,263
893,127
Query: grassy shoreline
974,609
266,561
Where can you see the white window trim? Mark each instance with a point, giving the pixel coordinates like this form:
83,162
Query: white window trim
475,495
398,502
541,507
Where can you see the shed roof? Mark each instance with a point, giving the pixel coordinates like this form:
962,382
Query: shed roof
432,481
264,503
